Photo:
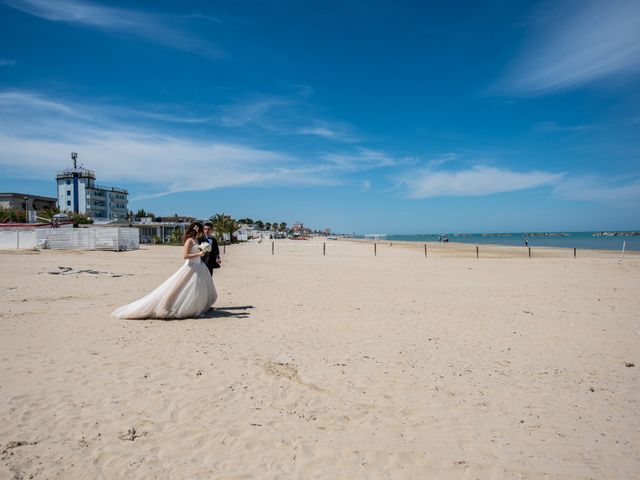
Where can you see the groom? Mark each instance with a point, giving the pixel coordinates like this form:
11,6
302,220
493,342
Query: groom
211,259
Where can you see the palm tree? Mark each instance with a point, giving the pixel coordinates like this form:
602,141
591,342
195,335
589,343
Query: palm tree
267,226
259,225
218,222
176,236
283,227
223,224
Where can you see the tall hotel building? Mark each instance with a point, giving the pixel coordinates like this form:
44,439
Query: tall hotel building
78,192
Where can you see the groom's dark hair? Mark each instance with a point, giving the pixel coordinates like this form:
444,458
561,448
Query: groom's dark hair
209,224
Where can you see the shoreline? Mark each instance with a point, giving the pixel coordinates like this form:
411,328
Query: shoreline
459,247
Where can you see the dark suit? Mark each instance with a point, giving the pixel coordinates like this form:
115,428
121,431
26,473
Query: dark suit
211,258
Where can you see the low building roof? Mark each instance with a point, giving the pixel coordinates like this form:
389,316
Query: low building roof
22,195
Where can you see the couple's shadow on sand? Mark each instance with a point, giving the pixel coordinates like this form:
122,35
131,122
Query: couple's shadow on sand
227,312
215,312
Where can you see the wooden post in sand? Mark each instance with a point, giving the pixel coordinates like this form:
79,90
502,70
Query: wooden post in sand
574,252
477,252
425,250
529,252
272,247
224,248
324,249
375,250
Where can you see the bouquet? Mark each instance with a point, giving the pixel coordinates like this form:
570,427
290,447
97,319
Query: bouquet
204,247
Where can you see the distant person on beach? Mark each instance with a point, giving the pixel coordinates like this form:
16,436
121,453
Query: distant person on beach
526,242
188,293
210,259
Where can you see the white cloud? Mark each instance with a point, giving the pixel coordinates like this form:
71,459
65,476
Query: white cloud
284,116
250,112
362,159
599,188
576,45
38,133
442,159
150,27
477,181
335,131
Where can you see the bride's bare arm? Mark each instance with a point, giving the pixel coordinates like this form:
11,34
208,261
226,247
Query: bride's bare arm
187,248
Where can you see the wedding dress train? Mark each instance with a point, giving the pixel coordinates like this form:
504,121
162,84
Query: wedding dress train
187,293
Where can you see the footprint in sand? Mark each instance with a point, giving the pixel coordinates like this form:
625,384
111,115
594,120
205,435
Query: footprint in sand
289,372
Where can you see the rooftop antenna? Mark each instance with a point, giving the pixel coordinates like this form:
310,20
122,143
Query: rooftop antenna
74,157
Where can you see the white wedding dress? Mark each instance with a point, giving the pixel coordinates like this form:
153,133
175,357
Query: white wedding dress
187,293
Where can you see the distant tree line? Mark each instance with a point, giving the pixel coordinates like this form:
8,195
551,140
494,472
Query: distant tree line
12,215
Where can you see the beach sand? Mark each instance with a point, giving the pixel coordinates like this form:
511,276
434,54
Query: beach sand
338,366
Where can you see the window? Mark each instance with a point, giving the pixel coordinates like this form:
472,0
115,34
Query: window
68,192
68,181
68,203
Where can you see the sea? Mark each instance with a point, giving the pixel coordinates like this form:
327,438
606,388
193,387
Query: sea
579,240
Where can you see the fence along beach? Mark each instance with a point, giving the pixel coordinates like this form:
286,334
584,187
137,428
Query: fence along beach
341,365
449,249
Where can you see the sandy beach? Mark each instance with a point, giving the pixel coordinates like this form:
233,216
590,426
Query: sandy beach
338,366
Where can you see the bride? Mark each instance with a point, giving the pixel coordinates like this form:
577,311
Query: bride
187,293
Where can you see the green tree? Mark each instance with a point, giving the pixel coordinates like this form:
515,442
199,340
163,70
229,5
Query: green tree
79,218
48,213
176,236
223,224
259,225
283,227
11,215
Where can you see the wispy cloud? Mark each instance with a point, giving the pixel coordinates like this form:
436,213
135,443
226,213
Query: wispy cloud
576,43
599,188
340,133
284,115
151,27
476,181
252,111
442,159
6,63
38,132
554,127
363,159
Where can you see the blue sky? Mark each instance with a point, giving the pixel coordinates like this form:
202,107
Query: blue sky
360,116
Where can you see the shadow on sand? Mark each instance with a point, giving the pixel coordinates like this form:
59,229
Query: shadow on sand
228,312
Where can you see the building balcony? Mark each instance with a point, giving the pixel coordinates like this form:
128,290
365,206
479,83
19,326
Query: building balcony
76,172
111,189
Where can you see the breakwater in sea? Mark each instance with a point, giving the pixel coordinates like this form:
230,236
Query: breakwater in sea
581,240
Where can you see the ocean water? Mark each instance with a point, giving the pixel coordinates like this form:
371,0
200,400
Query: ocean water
579,240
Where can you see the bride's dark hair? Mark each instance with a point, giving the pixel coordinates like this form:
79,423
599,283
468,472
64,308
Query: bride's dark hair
193,231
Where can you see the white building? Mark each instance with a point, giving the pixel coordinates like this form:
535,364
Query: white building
78,192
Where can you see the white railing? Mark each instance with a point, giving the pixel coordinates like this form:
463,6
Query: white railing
17,239
92,238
